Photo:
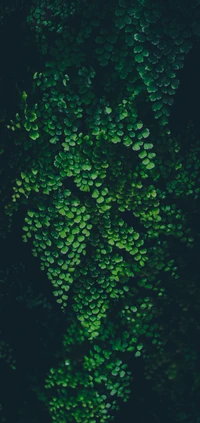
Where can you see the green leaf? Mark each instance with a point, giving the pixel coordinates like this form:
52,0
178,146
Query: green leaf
34,171
38,225
138,49
32,117
30,213
136,146
95,193
34,135
122,374
148,146
108,110
62,212
151,165
50,260
130,349
116,139
113,392
70,214
25,228
65,297
62,234
70,238
64,250
139,58
94,175
139,37
134,309
145,161
77,219
24,96
145,133
127,141
139,347
143,154
100,199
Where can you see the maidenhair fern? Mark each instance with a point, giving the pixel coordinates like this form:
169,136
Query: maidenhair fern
85,162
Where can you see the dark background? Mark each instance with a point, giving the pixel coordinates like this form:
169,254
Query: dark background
30,339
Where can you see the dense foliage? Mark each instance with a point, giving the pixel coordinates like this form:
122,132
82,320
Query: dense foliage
109,199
